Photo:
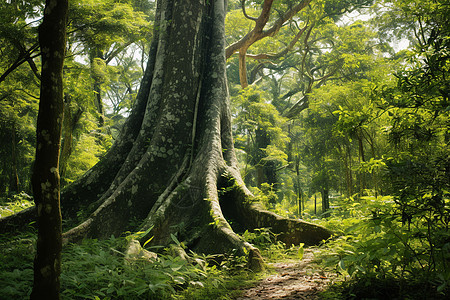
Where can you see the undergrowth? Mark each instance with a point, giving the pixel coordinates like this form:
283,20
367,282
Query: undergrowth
99,270
379,255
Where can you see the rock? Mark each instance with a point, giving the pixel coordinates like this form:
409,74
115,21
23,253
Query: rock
135,251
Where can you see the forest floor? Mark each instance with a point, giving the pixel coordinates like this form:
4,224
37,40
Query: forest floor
291,279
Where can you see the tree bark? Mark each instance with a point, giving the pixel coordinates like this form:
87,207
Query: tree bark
45,178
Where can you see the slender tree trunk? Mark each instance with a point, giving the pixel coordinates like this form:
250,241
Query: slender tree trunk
298,188
265,169
99,102
243,68
345,152
362,158
14,185
3,180
98,73
315,203
45,178
70,121
347,174
325,201
350,166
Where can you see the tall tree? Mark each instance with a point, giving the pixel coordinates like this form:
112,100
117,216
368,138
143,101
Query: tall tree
45,179
175,152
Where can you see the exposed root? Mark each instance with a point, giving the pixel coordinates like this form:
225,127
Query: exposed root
252,215
291,231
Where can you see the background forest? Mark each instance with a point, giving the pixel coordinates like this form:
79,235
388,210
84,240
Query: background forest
341,117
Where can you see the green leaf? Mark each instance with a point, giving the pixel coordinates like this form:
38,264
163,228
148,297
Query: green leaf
179,280
148,241
301,251
342,264
176,268
441,287
174,238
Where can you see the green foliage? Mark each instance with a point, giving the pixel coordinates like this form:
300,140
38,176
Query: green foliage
394,244
101,24
259,135
99,29
124,80
260,237
87,153
18,111
96,270
265,195
253,111
16,260
16,203
376,245
225,275
236,25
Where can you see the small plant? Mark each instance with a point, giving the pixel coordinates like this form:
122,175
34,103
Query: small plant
97,269
16,261
266,195
260,236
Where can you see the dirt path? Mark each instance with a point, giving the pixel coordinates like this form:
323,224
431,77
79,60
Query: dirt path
294,280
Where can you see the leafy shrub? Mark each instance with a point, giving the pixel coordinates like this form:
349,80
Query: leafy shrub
260,237
380,247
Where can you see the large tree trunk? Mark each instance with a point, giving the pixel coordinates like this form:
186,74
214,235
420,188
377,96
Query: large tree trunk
176,151
45,178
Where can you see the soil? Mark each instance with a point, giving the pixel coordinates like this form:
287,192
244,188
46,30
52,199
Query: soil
293,280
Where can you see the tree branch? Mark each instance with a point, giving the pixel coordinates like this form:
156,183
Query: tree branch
286,16
281,53
252,36
19,61
34,68
258,32
245,13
